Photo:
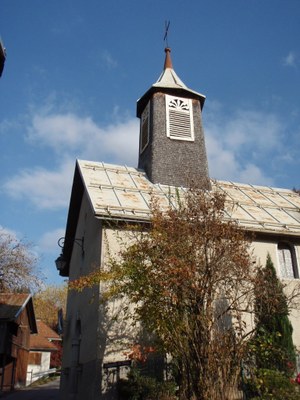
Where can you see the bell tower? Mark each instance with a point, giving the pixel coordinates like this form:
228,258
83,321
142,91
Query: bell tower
172,147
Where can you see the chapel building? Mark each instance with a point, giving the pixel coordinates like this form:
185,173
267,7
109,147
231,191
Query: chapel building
105,197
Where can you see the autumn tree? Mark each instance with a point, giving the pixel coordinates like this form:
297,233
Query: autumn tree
190,278
48,302
18,265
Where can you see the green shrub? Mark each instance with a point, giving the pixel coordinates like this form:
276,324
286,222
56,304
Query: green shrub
141,387
271,385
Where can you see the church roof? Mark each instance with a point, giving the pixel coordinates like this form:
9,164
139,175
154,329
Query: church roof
168,81
120,192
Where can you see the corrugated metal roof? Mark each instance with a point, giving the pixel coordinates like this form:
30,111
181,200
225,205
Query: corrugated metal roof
124,192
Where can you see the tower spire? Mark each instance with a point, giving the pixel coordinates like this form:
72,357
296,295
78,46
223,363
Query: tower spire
168,61
172,148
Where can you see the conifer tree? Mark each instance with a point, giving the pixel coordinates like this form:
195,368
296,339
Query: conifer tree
274,330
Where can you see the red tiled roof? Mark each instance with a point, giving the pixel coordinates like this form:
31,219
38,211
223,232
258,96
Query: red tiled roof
46,331
11,304
43,339
38,342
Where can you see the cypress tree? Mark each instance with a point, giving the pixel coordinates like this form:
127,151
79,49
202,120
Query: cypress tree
274,329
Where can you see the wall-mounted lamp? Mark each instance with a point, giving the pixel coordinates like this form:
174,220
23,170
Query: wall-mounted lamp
61,261
80,242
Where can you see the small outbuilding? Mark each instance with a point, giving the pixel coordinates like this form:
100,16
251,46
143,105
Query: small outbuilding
42,345
17,323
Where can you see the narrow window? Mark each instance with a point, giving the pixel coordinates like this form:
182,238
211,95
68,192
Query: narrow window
179,116
144,135
35,358
287,261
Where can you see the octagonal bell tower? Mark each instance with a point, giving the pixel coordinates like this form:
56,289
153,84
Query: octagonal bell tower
172,146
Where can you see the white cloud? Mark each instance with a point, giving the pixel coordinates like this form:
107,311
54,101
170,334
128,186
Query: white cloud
48,241
290,60
253,129
238,144
70,137
45,189
252,173
223,164
81,137
62,132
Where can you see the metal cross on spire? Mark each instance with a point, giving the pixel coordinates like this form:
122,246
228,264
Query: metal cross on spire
167,24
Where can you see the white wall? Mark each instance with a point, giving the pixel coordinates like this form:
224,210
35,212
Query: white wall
35,372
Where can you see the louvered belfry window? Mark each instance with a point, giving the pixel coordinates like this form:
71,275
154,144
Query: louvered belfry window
179,113
144,129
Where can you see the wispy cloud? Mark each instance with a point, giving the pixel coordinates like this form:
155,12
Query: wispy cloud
46,189
48,242
70,136
290,60
238,144
108,60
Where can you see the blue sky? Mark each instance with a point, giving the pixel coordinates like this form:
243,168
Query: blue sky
75,69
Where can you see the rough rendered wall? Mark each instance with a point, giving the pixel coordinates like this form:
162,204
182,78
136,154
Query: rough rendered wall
81,367
117,335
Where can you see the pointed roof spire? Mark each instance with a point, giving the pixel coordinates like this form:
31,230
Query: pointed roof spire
168,82
169,79
168,61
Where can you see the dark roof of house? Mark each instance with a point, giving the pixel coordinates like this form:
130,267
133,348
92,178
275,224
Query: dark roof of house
13,304
46,331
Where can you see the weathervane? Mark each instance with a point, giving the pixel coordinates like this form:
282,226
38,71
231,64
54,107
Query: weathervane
167,24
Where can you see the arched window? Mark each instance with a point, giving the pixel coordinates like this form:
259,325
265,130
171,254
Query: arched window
287,261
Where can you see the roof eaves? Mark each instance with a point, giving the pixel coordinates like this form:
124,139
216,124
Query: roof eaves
23,306
73,215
